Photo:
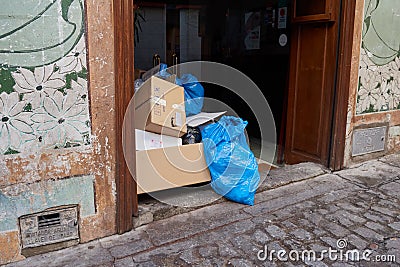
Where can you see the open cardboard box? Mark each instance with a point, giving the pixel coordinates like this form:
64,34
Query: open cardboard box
171,167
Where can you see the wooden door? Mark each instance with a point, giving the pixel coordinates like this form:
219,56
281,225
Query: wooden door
313,64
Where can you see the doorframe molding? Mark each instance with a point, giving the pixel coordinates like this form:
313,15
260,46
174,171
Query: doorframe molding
341,97
126,187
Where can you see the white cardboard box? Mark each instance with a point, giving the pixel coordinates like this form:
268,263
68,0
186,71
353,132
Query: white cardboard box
147,140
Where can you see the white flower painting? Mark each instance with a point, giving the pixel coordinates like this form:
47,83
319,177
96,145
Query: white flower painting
15,124
379,72
62,119
74,60
48,107
379,86
36,85
44,99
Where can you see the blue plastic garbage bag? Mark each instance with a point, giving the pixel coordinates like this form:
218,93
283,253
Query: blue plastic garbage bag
194,93
232,165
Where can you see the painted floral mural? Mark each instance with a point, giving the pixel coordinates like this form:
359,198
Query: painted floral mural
43,76
379,73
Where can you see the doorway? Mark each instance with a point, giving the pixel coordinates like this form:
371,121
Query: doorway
124,29
251,36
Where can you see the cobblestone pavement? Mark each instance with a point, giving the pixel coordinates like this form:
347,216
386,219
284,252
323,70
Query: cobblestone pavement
358,206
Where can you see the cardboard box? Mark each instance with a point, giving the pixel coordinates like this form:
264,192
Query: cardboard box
160,108
171,167
146,140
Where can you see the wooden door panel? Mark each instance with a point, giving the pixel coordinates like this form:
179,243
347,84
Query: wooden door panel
311,88
310,80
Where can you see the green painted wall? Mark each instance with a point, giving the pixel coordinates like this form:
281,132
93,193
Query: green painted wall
379,74
17,200
43,76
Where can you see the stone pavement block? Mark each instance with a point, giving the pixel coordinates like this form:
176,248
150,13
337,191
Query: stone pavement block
386,211
292,173
351,216
200,239
211,262
246,244
184,225
293,244
391,189
377,217
315,263
285,213
238,262
370,173
331,242
265,219
302,234
350,207
389,203
125,262
335,229
127,249
298,192
317,247
275,231
190,256
395,226
335,196
375,226
393,160
356,241
393,243
162,251
129,237
289,224
260,237
226,251
341,264
90,254
369,234
208,251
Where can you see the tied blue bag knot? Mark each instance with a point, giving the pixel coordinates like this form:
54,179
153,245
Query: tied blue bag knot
232,165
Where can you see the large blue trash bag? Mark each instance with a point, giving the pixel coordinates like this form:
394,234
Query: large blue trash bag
194,93
232,165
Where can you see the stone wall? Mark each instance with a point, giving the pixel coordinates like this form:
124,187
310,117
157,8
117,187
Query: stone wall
375,84
57,129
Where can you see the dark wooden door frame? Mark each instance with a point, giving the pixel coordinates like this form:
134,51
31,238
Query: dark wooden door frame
126,199
341,87
341,97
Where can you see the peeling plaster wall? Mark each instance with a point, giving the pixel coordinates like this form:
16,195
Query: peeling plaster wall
79,169
375,84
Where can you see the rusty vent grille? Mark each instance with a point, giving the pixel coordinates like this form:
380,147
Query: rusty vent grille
49,220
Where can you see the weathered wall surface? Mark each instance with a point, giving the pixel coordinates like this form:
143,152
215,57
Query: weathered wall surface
375,83
57,138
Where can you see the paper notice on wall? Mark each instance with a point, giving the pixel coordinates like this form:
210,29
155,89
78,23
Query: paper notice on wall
282,17
252,27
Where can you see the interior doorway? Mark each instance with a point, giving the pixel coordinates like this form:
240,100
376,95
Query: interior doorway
251,36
